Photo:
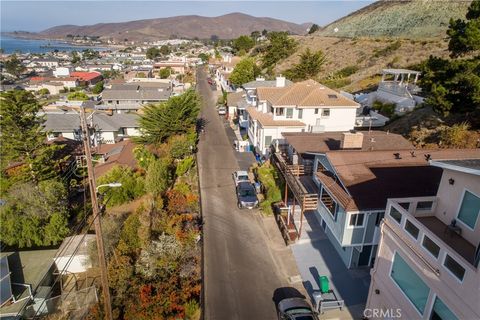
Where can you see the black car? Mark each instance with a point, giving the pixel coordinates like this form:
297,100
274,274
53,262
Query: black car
247,197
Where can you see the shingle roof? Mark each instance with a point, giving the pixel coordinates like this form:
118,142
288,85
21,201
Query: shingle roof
305,94
234,97
69,122
371,177
118,154
266,120
304,142
133,94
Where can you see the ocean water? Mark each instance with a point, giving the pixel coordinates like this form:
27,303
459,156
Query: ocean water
11,45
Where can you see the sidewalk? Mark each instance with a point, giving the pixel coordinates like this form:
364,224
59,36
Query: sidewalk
315,256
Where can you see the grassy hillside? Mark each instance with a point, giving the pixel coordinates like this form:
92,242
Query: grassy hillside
412,19
368,55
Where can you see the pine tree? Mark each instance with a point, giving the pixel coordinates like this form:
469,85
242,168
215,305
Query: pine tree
23,138
176,116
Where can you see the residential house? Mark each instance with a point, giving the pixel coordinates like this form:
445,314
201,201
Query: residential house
27,279
139,72
47,62
117,154
87,78
133,96
345,179
68,82
179,67
429,250
302,107
107,128
398,86
251,87
62,72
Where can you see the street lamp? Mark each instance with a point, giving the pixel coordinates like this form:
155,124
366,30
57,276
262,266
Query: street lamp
110,185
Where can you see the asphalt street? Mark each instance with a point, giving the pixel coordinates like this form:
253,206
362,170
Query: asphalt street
240,271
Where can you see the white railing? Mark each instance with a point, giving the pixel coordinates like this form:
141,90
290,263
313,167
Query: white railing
412,213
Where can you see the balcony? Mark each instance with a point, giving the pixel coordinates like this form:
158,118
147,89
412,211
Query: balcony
299,180
416,218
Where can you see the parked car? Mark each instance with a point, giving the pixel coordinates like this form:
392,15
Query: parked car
295,309
247,197
240,176
222,110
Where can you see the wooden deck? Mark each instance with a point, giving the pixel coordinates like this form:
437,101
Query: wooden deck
455,241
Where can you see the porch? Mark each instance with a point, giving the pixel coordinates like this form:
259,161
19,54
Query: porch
304,192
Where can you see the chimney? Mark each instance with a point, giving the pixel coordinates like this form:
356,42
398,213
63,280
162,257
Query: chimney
351,140
280,82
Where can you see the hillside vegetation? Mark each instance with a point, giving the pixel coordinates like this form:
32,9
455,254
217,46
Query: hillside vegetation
363,57
413,19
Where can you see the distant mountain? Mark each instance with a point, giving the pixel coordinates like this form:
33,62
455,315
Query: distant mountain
228,26
413,19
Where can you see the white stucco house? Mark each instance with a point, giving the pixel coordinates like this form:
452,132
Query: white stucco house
306,106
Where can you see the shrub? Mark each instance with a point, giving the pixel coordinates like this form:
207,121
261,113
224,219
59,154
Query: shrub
268,177
387,109
157,179
458,136
133,185
388,49
184,165
347,71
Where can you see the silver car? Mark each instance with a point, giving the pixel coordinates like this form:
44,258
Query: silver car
295,309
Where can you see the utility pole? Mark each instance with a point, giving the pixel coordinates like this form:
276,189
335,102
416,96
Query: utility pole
96,214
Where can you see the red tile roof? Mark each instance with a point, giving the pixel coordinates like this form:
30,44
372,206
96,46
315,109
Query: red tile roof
85,76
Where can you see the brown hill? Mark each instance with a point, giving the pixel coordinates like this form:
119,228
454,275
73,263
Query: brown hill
412,19
369,56
224,27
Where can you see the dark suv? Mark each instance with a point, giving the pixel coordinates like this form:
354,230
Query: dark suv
247,197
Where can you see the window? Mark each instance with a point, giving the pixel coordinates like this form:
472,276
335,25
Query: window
325,112
268,141
469,209
356,220
412,229
454,267
424,205
289,113
410,283
395,214
404,205
279,111
316,111
300,113
329,203
441,312
431,246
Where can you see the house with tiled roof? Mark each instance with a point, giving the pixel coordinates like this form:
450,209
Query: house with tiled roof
88,78
306,106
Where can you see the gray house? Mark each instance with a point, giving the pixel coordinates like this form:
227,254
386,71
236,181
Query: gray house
132,96
344,179
108,128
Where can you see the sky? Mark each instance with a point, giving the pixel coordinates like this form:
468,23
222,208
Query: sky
38,15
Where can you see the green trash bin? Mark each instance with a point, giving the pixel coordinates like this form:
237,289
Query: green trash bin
324,284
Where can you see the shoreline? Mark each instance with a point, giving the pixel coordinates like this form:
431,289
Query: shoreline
61,41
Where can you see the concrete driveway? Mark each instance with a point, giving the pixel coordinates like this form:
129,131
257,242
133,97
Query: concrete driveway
241,272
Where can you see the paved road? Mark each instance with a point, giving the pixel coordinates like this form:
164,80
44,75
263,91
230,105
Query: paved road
240,272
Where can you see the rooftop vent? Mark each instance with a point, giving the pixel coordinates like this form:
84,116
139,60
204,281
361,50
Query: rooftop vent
412,153
332,96
428,157
397,155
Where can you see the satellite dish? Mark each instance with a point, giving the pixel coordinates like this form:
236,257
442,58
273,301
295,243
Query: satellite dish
335,30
